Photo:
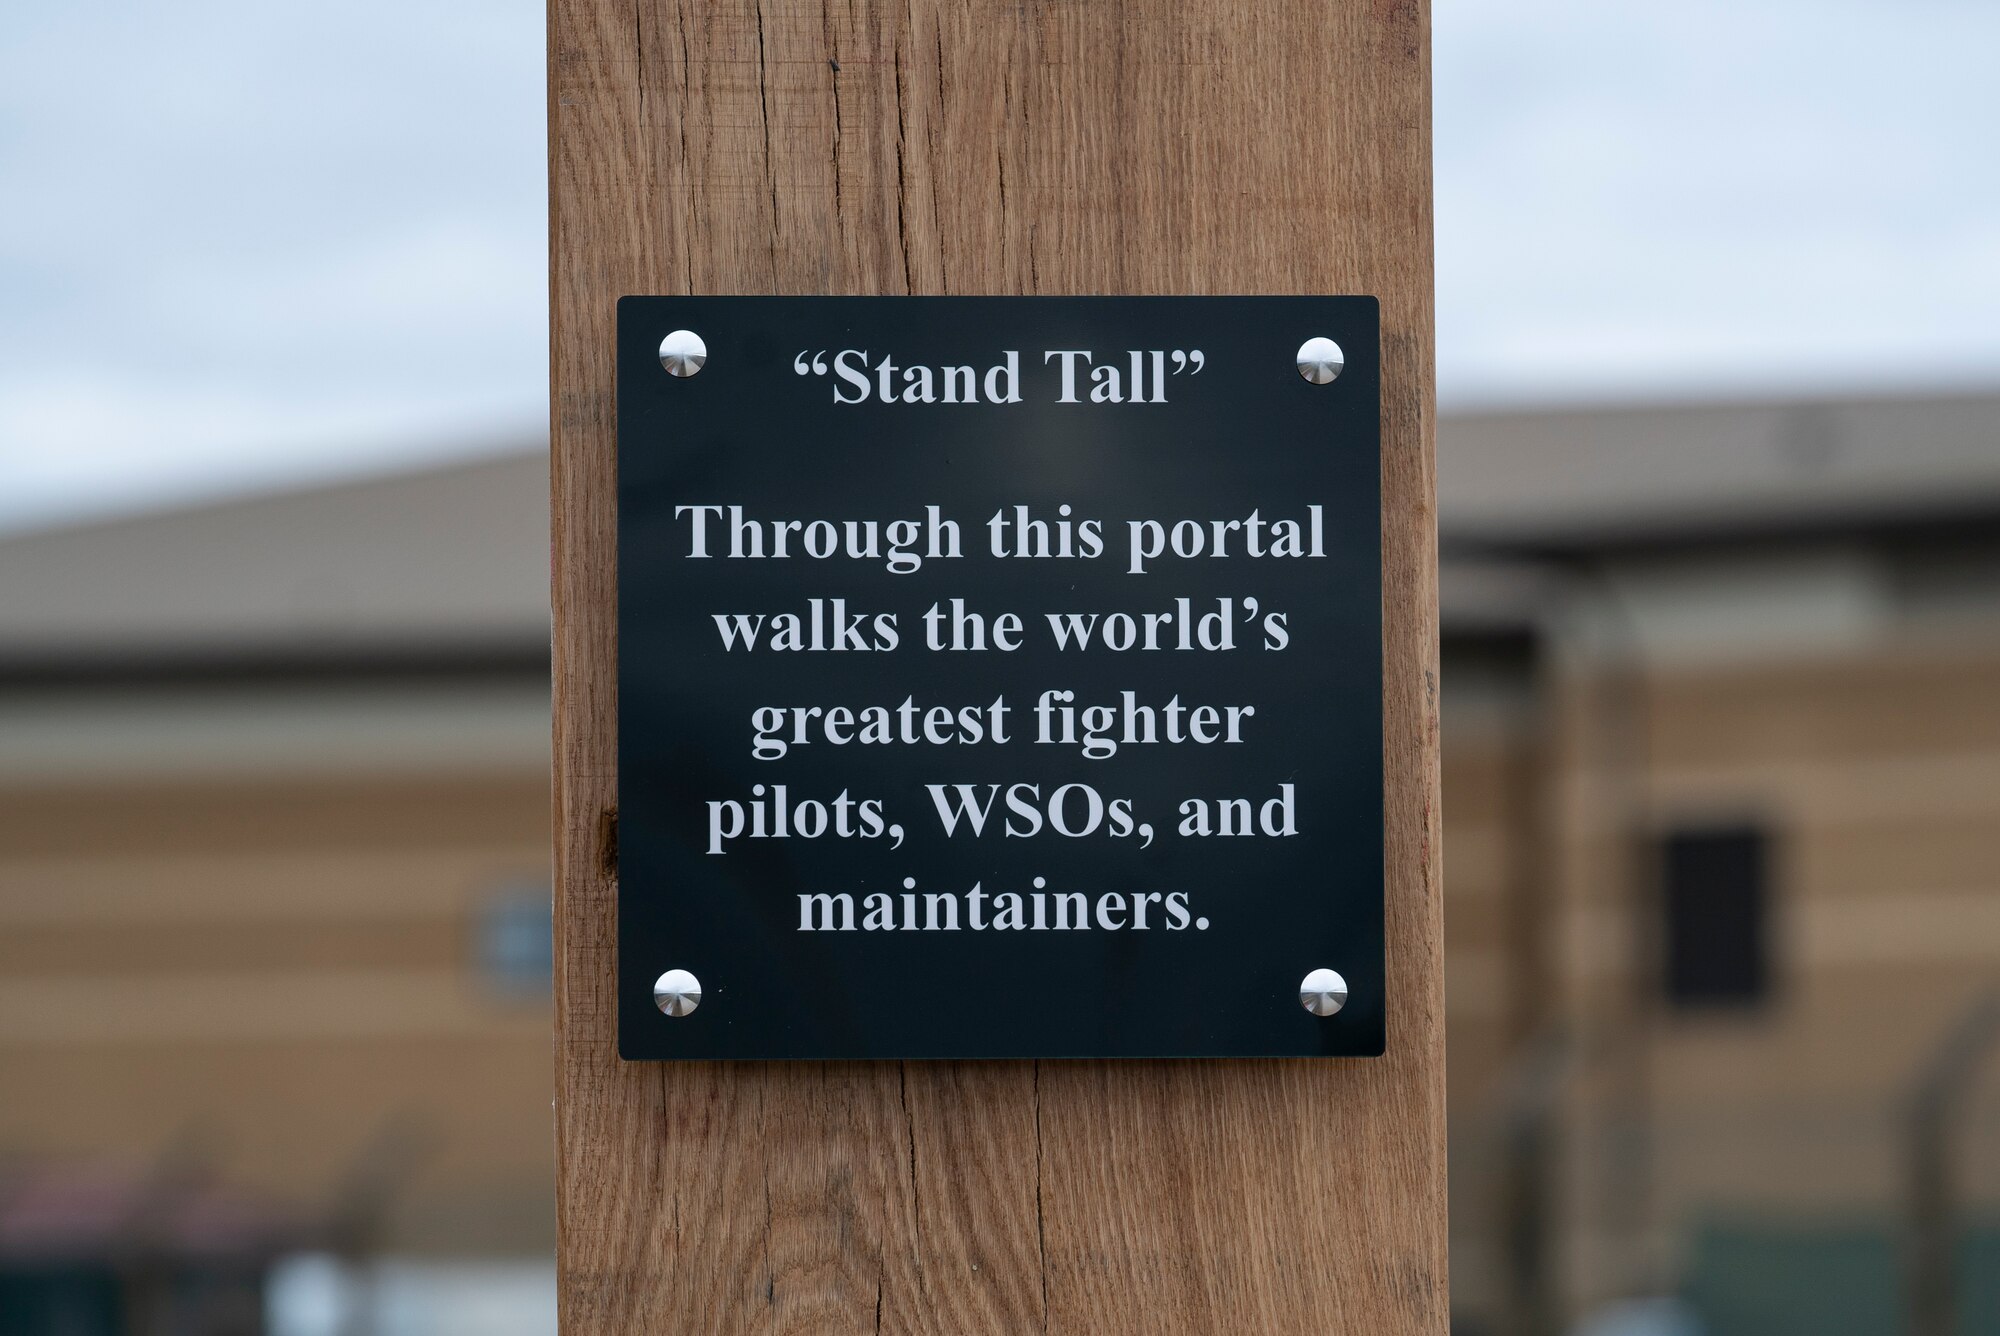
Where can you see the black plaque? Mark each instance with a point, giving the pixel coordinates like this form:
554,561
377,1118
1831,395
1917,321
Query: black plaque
1119,441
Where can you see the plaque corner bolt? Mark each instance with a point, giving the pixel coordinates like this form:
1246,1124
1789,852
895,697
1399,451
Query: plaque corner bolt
1320,360
677,992
1323,992
683,352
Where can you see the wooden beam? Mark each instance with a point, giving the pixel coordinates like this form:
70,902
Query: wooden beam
1035,146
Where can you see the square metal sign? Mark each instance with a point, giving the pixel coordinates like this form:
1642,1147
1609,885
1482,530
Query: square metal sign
999,677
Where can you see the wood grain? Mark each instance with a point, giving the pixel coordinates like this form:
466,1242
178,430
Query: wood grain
1034,146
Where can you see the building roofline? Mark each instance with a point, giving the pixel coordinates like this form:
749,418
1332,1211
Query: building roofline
1931,524
497,659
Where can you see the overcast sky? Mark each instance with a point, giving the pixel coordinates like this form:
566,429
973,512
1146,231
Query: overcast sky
245,242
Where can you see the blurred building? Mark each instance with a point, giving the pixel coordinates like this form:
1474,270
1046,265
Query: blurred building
1722,809
1722,815
274,870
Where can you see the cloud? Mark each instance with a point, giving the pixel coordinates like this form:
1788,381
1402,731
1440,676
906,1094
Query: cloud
263,241
1714,197
248,241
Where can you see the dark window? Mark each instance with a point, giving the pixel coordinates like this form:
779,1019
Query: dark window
1716,893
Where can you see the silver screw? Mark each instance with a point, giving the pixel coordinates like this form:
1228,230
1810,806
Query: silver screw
1323,992
1320,360
677,992
683,353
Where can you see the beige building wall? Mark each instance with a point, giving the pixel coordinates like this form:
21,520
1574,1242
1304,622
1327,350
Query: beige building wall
1877,778
278,958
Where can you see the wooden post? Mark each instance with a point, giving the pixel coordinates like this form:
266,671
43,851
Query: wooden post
1038,146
